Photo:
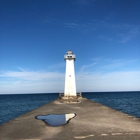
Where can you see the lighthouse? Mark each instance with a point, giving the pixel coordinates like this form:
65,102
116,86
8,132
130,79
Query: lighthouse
70,84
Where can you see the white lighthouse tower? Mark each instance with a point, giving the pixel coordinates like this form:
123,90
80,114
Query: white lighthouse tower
70,84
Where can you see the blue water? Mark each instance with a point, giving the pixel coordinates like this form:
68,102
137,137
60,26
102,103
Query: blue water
127,102
12,106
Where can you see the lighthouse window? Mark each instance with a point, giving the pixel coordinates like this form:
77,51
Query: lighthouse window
69,75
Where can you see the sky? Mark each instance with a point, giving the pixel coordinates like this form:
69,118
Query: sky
36,34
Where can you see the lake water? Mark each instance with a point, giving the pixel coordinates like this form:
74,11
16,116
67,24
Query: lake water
12,106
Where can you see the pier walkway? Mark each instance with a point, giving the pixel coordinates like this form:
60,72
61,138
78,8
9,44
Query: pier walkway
93,121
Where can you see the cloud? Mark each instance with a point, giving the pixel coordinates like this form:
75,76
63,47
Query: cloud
112,81
110,75
117,63
124,32
87,79
31,81
109,64
57,66
96,59
31,75
45,82
74,25
129,35
84,67
120,32
114,32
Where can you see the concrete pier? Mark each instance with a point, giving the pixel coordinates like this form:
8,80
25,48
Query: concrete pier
93,121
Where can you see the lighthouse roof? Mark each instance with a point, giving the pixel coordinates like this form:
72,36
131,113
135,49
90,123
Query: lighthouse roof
69,52
69,55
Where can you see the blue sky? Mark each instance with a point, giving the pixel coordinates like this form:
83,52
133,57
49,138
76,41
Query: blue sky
35,35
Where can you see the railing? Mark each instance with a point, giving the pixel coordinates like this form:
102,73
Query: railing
61,95
68,96
70,57
79,94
